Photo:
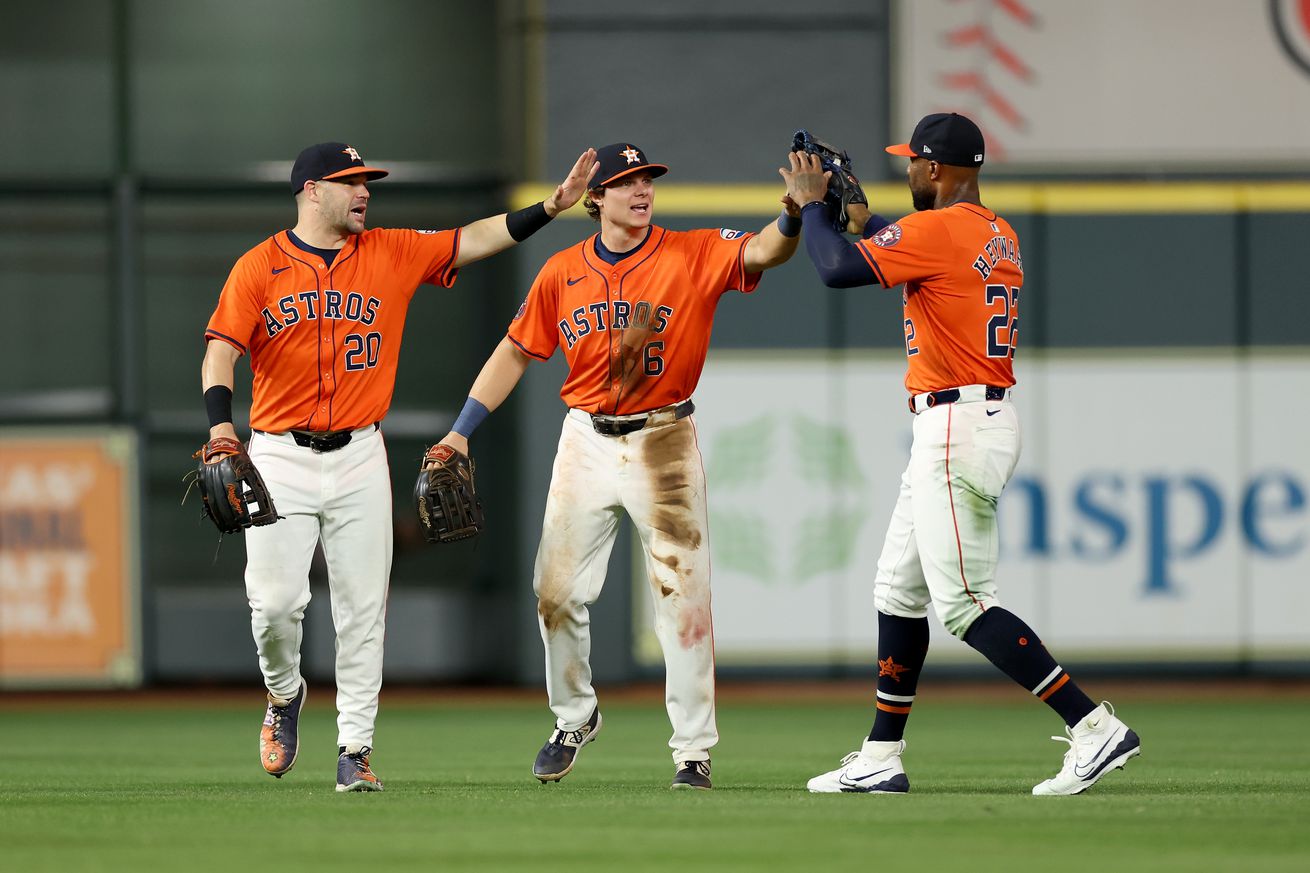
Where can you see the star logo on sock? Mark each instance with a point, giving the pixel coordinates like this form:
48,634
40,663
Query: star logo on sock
888,667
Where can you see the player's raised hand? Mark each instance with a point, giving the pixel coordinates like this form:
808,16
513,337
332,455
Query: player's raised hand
806,180
575,183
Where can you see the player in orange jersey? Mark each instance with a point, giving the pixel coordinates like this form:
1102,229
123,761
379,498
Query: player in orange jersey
962,270
631,307
320,309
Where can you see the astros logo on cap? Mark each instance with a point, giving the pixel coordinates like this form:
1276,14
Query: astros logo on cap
631,154
354,155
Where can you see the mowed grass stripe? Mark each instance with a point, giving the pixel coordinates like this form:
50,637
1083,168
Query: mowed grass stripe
147,787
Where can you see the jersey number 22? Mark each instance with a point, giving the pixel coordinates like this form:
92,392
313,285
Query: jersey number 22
1003,327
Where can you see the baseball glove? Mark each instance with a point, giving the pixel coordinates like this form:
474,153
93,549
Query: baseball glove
447,503
843,187
234,495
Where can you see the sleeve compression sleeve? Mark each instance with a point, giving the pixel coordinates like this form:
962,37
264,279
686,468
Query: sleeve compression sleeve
875,224
838,263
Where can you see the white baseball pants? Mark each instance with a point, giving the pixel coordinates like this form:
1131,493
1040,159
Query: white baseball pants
342,498
656,476
941,544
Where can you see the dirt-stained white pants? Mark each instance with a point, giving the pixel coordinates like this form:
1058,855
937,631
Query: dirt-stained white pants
344,499
656,476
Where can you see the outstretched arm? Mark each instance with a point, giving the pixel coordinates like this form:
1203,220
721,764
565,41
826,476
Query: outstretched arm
486,236
838,263
499,375
776,242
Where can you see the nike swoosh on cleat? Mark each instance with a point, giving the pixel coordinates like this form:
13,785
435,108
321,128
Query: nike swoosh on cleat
855,782
1129,747
277,270
1083,772
574,281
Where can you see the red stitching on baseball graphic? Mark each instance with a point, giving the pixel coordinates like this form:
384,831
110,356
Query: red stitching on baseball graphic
996,53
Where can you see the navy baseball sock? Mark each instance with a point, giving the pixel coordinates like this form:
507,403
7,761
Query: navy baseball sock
1014,648
902,648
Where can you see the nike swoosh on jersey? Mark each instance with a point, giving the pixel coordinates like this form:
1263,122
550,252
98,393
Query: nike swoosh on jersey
993,411
574,281
844,781
277,270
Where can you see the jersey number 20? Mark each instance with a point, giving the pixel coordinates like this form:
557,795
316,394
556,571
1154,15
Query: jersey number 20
362,350
1003,327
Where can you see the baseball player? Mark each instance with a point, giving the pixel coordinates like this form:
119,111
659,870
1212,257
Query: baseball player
962,270
631,307
320,310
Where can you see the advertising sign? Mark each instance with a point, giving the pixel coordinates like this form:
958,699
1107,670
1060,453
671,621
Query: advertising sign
68,558
1159,510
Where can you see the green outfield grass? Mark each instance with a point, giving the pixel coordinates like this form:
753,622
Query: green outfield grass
1221,785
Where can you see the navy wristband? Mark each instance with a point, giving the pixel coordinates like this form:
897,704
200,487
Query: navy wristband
527,221
218,403
789,225
472,415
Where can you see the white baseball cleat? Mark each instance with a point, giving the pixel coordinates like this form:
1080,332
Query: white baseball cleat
1097,744
875,769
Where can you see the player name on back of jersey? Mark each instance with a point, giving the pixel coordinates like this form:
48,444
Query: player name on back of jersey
999,248
336,306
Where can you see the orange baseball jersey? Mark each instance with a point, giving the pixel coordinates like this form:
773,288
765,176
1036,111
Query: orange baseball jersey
635,334
324,341
962,273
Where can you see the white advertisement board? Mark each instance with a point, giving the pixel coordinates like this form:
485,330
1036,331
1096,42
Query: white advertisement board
1159,510
1116,83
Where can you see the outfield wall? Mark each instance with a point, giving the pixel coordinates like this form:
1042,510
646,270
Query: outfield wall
121,223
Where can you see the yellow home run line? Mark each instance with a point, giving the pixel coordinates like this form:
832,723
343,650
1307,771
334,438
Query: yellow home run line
1058,198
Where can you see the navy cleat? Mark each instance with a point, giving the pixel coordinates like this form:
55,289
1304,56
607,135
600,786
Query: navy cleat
556,758
353,772
693,774
279,738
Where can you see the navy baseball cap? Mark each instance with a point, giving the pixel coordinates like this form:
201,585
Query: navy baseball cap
621,159
944,137
329,160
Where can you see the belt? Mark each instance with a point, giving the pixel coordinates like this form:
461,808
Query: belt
963,394
622,425
323,442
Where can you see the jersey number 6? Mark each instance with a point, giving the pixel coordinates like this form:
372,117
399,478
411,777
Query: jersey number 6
652,363
1003,327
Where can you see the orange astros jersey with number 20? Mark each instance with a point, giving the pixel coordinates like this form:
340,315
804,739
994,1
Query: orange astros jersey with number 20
324,341
962,273
634,334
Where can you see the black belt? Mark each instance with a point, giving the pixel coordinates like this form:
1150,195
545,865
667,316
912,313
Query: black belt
936,398
622,425
323,442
